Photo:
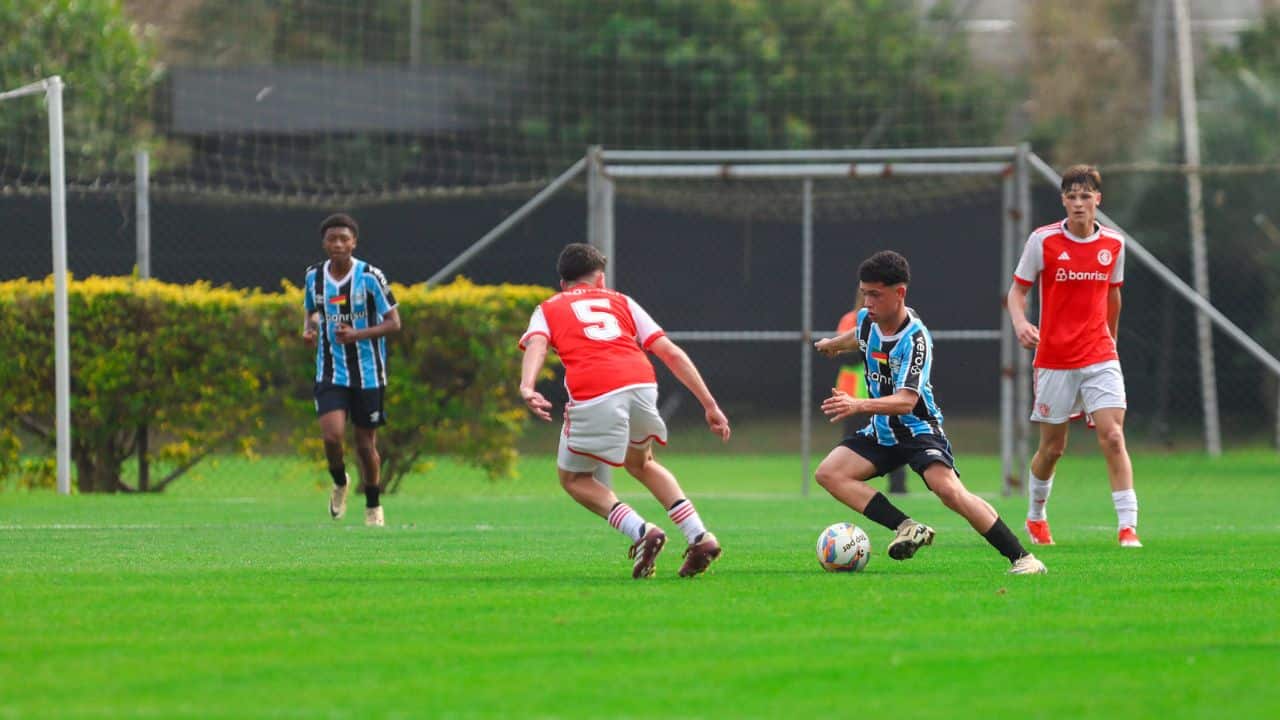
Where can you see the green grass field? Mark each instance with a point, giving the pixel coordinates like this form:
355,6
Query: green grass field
236,596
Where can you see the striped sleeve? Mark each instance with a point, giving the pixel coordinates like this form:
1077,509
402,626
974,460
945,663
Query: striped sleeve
308,297
913,372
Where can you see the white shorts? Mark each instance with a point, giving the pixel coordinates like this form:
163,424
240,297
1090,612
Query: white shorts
1060,394
601,429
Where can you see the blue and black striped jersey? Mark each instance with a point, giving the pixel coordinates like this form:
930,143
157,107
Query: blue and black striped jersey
360,300
894,362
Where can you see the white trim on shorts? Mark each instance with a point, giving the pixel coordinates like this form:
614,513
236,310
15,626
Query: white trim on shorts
1060,394
601,429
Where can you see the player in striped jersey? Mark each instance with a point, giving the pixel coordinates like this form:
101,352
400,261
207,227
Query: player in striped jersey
349,312
906,423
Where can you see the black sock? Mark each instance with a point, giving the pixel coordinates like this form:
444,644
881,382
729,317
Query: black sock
882,511
1003,539
339,474
371,493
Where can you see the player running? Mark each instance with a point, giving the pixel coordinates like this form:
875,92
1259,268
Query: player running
349,312
1080,267
612,415
906,423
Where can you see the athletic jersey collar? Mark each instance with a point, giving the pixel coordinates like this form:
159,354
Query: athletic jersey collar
354,264
906,325
1097,230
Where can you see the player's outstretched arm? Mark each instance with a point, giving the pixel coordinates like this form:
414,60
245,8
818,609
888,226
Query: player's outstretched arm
535,353
1016,302
841,343
678,362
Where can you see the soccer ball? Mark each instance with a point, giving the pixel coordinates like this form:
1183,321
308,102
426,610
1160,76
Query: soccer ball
843,547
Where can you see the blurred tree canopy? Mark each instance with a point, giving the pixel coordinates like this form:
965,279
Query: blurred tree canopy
109,70
671,73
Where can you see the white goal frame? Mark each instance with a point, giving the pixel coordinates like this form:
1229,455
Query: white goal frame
606,167
51,87
1015,165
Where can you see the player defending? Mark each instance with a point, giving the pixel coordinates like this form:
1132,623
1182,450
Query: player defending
906,423
352,301
612,413
1080,266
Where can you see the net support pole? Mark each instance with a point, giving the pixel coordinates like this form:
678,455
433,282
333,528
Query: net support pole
61,330
806,336
142,231
142,211
600,235
1195,212
511,221
600,196
1007,339
1022,390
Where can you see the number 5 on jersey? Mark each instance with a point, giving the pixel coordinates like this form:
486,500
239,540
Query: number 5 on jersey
597,322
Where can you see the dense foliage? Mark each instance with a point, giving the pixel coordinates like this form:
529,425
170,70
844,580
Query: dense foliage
205,368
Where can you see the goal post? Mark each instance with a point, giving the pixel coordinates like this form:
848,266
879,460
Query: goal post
607,167
51,88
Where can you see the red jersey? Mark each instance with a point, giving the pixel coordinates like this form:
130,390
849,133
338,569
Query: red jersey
1075,277
598,334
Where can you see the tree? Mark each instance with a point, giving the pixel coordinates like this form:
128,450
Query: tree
747,74
109,70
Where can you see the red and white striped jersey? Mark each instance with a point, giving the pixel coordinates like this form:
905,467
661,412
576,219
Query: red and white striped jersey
599,335
1075,275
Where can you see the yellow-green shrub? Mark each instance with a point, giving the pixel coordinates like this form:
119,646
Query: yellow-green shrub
453,376
200,365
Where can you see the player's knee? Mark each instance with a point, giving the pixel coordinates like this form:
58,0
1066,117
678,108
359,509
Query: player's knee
828,476
951,494
636,465
1053,450
1111,439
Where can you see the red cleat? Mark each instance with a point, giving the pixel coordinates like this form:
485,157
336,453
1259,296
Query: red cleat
699,556
645,552
1129,537
1039,532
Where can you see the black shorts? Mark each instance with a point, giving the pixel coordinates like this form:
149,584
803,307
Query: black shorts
919,452
363,405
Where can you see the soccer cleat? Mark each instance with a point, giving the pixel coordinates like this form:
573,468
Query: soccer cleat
1028,565
911,537
645,551
373,517
1129,537
699,555
338,500
1039,532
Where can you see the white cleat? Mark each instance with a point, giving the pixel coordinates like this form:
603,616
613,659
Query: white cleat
338,500
373,517
1028,565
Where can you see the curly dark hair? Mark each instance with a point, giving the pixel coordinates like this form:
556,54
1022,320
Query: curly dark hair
886,267
339,220
578,260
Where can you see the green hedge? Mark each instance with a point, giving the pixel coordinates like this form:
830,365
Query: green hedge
202,366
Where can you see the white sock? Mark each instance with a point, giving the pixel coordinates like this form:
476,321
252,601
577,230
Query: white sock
1126,502
1038,497
627,521
683,514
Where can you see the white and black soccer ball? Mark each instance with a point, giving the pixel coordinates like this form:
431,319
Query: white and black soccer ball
843,547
